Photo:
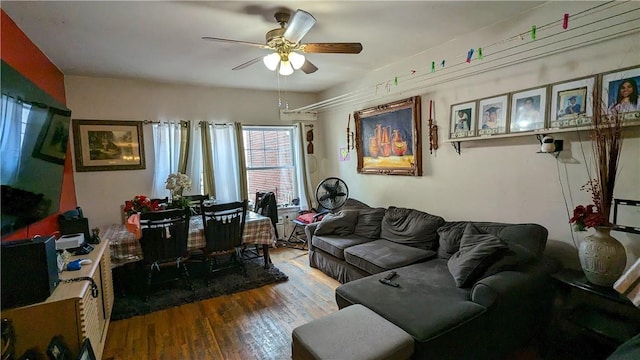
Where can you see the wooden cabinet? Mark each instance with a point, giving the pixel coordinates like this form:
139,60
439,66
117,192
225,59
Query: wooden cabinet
71,311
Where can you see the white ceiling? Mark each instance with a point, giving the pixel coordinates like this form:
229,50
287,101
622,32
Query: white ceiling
161,40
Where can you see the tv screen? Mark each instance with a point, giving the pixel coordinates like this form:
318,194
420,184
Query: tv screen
33,143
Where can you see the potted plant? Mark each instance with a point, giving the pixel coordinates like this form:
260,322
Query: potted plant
602,257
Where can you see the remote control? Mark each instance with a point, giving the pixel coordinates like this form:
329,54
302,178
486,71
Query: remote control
387,280
390,275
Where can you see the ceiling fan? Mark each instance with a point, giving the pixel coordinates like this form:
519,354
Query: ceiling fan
286,46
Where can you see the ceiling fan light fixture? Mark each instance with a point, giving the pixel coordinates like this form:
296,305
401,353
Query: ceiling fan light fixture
286,68
271,61
296,59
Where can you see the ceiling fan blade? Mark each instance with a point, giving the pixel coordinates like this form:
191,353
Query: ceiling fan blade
299,25
308,67
248,63
263,46
332,48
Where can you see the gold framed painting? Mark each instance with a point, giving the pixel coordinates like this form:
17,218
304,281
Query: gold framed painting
388,138
106,145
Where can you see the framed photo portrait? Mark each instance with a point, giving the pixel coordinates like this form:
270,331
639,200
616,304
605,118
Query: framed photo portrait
51,144
463,120
388,138
103,145
492,113
620,93
572,103
528,109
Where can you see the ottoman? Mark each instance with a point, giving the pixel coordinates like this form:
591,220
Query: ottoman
354,332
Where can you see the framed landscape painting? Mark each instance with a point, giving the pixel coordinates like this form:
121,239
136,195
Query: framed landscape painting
572,103
103,145
51,144
388,138
493,115
463,120
528,109
620,93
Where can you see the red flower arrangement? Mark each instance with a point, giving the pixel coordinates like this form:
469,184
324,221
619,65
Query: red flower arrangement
591,215
140,203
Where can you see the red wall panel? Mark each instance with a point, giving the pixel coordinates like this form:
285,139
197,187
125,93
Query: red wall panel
17,50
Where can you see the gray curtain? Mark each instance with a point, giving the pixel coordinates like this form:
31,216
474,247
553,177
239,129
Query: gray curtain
207,160
242,164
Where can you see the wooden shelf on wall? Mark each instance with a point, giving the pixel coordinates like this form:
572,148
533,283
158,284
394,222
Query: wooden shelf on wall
456,142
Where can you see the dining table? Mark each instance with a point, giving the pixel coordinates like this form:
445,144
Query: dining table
125,247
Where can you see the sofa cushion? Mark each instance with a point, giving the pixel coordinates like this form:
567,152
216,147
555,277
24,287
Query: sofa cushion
426,305
411,227
369,222
478,251
527,241
341,223
380,255
335,245
354,204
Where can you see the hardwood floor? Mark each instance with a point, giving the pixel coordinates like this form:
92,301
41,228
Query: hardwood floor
253,324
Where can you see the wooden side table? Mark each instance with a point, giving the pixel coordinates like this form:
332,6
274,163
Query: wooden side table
590,318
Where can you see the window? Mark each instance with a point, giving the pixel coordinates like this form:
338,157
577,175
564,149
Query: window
270,161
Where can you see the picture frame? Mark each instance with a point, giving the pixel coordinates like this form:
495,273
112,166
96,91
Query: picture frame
493,114
388,138
611,92
53,138
86,351
528,110
572,103
463,120
107,145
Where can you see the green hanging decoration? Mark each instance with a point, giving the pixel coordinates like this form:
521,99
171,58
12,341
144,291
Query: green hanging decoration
433,66
533,32
395,81
479,53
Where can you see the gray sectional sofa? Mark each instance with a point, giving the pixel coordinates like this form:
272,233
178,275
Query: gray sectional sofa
467,290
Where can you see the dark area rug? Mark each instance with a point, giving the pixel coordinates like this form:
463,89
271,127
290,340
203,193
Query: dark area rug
129,284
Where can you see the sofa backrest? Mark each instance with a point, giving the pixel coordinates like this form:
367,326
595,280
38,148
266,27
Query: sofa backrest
411,227
526,240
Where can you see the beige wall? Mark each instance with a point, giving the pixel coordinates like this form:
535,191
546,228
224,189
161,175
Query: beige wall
100,193
500,179
495,180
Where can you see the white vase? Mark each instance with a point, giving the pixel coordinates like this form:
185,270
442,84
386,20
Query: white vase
602,257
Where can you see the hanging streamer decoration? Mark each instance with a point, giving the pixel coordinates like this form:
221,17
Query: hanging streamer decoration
442,64
533,32
469,55
479,53
565,22
395,81
433,66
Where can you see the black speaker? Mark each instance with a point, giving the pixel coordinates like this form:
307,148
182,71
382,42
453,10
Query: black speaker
29,271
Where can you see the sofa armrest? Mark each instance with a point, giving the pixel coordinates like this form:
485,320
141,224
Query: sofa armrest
309,229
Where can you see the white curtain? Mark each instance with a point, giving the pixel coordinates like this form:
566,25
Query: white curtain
225,162
302,174
194,161
10,138
166,144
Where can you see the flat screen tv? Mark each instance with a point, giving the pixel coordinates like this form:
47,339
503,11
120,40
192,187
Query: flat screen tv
33,144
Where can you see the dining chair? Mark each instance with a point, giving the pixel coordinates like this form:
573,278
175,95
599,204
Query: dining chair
195,203
223,230
164,243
